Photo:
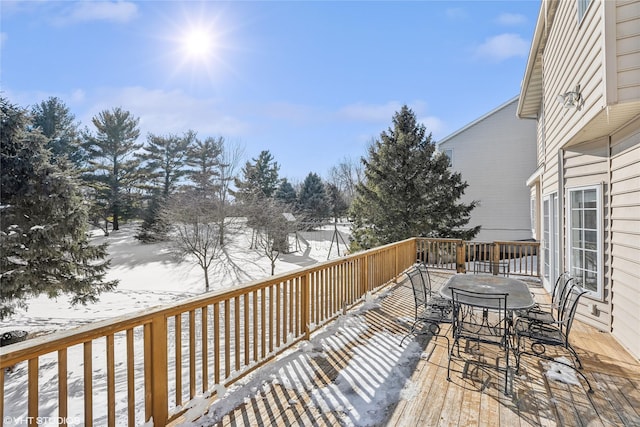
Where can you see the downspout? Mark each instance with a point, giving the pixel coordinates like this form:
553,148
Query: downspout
563,244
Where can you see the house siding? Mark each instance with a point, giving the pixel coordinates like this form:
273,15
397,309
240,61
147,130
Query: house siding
574,55
597,144
504,203
625,236
587,164
628,50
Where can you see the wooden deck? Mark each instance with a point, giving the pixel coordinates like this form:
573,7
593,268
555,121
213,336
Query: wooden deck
473,399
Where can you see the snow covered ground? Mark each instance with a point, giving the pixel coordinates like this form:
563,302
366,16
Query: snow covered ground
149,276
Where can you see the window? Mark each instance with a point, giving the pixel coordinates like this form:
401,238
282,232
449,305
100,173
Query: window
449,153
532,216
550,239
584,241
582,8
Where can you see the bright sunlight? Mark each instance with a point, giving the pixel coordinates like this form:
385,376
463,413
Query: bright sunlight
198,44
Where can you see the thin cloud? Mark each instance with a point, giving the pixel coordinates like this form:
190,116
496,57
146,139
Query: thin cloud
3,38
290,112
369,112
119,12
456,13
501,47
168,112
511,19
433,125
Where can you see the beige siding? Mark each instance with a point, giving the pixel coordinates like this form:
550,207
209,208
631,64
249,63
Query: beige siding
573,56
597,144
628,50
625,237
585,165
504,202
540,141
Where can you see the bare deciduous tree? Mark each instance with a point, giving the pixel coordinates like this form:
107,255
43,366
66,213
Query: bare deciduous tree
346,176
271,231
227,168
195,231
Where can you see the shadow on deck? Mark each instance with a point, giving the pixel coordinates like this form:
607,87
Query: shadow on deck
354,373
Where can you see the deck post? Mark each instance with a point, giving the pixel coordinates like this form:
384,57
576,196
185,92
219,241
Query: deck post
495,259
156,387
460,257
305,309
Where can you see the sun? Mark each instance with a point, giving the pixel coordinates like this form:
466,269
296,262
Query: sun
198,44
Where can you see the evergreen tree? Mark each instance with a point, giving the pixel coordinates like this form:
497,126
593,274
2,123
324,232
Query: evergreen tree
260,179
337,204
163,164
312,200
43,235
286,193
409,190
163,161
203,157
58,125
114,169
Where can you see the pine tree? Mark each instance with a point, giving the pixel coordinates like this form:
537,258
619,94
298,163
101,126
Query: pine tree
337,205
203,157
312,200
409,190
43,235
58,125
260,179
163,164
114,167
286,193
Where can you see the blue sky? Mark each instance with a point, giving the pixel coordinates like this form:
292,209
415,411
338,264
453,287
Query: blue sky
312,82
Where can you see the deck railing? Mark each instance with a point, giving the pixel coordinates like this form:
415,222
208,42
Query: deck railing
518,258
150,364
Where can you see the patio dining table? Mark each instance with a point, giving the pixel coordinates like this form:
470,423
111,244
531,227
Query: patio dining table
482,329
519,297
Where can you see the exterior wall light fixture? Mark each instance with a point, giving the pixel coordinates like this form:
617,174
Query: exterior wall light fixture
571,99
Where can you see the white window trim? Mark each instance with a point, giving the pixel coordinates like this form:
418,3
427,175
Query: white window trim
599,235
553,235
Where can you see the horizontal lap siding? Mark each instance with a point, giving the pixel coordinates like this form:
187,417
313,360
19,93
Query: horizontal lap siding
574,56
587,165
625,237
628,50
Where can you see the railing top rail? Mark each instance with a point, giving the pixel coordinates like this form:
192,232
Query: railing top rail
63,339
440,239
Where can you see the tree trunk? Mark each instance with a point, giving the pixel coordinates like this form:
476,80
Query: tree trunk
206,279
116,213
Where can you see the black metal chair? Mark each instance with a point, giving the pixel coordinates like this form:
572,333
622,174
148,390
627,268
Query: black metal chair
481,318
551,312
541,333
430,310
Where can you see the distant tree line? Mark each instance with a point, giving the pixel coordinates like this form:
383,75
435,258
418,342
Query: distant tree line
58,179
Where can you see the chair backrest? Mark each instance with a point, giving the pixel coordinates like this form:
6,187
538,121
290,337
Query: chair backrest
479,315
419,291
569,310
559,287
426,279
561,291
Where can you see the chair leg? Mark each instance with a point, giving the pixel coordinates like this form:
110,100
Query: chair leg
575,355
411,332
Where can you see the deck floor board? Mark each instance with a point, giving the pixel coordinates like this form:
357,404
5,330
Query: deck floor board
474,397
